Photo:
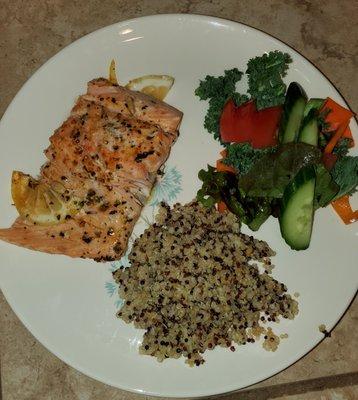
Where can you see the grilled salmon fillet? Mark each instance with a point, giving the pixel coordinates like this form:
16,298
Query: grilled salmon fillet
107,155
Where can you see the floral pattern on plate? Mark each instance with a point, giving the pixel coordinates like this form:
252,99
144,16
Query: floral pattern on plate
167,188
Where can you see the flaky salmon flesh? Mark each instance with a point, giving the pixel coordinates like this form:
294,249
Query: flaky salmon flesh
106,155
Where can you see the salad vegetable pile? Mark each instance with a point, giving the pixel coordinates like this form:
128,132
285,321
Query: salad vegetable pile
284,155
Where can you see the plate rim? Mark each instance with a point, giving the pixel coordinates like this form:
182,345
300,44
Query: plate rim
232,388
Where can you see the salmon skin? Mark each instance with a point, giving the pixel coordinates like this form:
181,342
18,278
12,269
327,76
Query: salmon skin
108,154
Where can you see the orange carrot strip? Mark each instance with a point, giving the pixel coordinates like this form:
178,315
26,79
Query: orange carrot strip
343,208
222,207
338,120
221,167
335,138
337,115
223,153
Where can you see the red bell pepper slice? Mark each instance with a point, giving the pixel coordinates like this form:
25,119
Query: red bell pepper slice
245,123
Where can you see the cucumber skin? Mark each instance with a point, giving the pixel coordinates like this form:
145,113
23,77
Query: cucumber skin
313,104
309,129
305,176
296,98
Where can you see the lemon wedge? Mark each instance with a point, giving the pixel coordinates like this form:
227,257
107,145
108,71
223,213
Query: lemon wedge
157,86
40,203
112,73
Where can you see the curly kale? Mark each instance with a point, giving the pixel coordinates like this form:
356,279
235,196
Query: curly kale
218,90
242,156
342,147
223,86
345,175
265,75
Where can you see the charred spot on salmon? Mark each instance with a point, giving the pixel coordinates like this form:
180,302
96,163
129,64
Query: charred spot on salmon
86,238
104,206
117,248
104,258
75,135
115,147
62,234
113,100
91,193
119,166
112,212
141,156
110,232
64,178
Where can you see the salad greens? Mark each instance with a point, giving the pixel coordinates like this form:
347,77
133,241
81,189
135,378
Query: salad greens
290,178
219,186
242,156
265,75
342,147
345,174
326,188
218,90
269,175
265,86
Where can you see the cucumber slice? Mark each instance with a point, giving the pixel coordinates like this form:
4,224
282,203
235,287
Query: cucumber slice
297,212
315,104
309,129
295,103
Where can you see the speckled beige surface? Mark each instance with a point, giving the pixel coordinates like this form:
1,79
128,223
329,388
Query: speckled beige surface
33,31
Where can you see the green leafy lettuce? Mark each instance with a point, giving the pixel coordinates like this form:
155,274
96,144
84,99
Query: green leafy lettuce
223,186
269,176
265,75
326,189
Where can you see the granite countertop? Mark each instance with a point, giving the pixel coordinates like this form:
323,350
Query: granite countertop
32,32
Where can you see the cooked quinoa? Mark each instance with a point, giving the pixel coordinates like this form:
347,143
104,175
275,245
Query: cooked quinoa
193,285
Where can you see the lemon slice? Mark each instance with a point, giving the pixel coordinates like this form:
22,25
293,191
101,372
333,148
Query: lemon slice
157,86
38,202
112,73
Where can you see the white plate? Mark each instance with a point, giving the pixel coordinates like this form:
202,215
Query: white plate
66,303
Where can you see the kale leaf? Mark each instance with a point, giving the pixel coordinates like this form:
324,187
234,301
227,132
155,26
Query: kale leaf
342,147
242,156
224,85
265,75
345,174
218,90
